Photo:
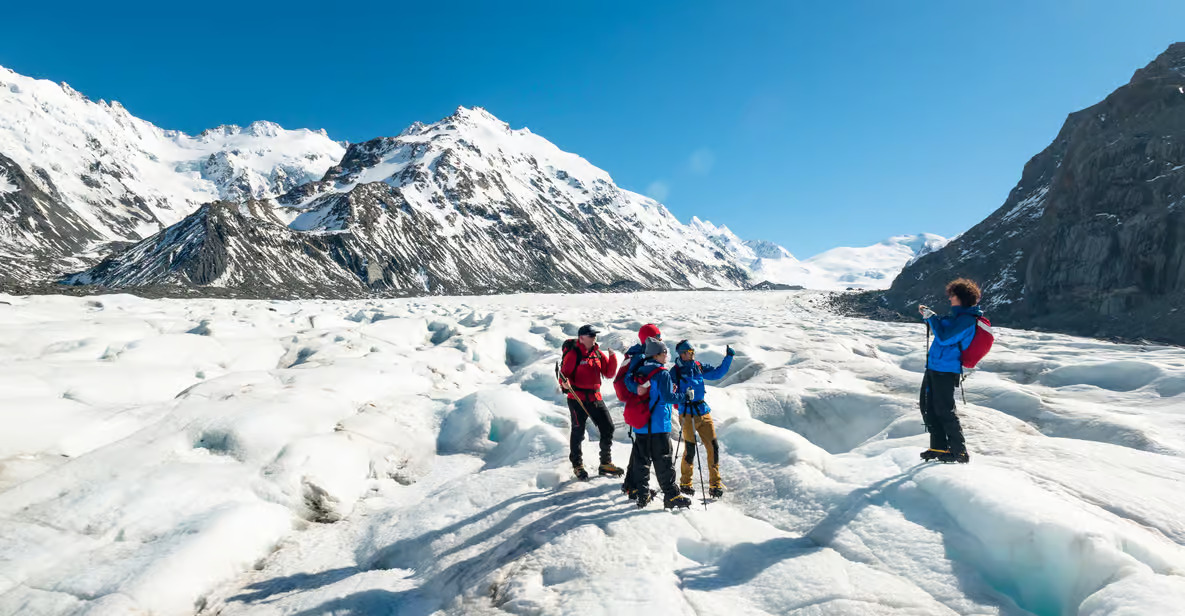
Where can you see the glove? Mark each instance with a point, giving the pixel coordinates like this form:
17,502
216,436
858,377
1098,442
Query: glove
728,351
689,395
926,312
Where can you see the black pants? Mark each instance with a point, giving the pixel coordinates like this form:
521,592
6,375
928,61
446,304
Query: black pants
937,400
650,448
600,416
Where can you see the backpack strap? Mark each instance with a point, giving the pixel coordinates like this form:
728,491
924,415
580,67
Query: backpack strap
653,404
575,345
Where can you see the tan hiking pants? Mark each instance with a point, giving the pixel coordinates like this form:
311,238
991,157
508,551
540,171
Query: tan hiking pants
701,424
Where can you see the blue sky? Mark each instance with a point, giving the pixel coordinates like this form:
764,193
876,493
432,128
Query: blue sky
812,124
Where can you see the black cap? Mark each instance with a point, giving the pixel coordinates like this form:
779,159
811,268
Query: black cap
587,330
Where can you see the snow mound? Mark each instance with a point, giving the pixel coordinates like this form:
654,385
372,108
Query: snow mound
411,457
1114,376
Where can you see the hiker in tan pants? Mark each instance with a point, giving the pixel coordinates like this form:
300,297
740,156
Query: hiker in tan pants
695,416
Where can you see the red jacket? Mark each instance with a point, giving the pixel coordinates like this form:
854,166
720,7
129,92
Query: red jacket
586,376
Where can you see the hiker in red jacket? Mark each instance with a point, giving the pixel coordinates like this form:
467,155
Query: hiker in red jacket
584,365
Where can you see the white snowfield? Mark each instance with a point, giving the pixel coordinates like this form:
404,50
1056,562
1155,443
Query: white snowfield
410,457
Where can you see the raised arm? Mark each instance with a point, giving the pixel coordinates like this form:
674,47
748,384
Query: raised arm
608,365
715,373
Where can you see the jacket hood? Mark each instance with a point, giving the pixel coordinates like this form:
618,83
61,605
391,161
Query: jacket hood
972,310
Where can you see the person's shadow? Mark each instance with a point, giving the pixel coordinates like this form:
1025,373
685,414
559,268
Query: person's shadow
438,579
743,562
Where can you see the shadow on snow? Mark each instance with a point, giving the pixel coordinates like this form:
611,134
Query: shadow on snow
562,513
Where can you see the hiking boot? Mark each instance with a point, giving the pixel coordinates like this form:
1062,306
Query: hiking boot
677,501
644,497
948,457
629,493
932,454
610,469
716,492
688,490
581,474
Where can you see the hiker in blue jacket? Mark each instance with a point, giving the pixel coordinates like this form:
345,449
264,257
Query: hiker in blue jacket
695,416
634,356
944,368
652,442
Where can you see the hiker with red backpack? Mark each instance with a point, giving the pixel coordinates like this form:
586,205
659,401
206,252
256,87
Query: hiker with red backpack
945,360
580,372
652,430
635,404
636,354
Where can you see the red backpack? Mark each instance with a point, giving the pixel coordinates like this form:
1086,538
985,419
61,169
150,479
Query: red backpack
637,407
981,343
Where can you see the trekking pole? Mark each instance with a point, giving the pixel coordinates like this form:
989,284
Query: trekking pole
695,434
925,383
566,388
679,445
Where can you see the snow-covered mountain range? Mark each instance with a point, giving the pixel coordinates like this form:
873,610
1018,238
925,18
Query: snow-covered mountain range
867,267
82,173
463,205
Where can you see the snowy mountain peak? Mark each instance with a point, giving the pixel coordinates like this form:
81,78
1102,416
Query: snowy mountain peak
921,244
768,250
917,242
724,238
260,128
477,115
263,128
71,92
413,129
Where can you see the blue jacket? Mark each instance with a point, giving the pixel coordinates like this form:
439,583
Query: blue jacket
952,334
662,396
689,376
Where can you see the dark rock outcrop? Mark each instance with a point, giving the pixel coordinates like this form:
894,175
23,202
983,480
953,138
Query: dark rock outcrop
1092,239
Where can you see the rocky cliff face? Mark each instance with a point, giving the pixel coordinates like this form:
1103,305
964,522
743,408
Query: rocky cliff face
37,231
1092,239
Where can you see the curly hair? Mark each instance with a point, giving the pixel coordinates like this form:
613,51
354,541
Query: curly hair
966,290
